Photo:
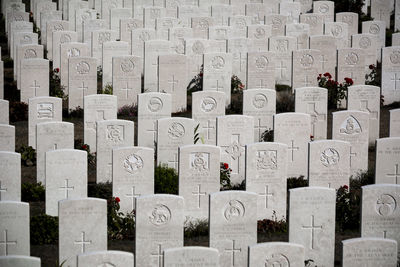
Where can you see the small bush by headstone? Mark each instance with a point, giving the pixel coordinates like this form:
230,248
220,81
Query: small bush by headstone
44,230
32,192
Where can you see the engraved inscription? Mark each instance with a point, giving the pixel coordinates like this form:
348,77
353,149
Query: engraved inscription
30,53
374,29
45,111
307,60
261,62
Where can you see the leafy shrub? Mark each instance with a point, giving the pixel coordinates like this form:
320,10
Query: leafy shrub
56,89
8,62
295,182
196,84
120,225
336,91
197,136
18,111
196,228
100,190
267,136
348,6
78,144
236,85
32,192
373,78
107,90
28,155
285,102
268,226
73,113
44,230
165,180
128,111
283,88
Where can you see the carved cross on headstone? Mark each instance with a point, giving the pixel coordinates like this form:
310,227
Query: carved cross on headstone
174,162
159,255
266,194
83,242
35,86
307,82
233,250
66,188
315,116
260,128
209,127
83,88
217,86
126,89
5,242
153,130
199,194
323,61
2,189
261,84
293,148
173,82
313,228
364,107
395,79
132,196
235,150
396,174
281,69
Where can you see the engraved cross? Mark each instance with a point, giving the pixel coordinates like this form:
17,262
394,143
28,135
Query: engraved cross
396,174
174,162
199,194
6,242
173,82
352,154
159,256
233,250
281,69
2,189
153,130
126,89
83,242
259,128
323,61
293,148
395,79
209,127
35,86
83,88
217,86
132,196
313,227
266,194
66,188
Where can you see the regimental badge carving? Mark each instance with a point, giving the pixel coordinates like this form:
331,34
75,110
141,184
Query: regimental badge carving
329,157
155,104
144,36
133,163
324,8
395,57
234,209
176,130
282,45
364,42
203,24
131,26
155,13
82,68
276,23
45,110
234,150
348,19
259,33
85,16
312,20
350,126
351,59
374,29
385,205
277,260
65,38
58,27
267,160
104,37
208,104
73,52
161,215
30,53
240,23
198,48
222,33
336,30
307,60
200,161
115,133
26,39
261,62
127,65
218,62
260,101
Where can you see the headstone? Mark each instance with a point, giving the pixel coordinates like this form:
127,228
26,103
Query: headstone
394,125
111,134
152,50
138,37
379,212
42,7
111,49
126,25
233,134
261,105
91,25
172,133
351,19
116,14
22,38
339,30
199,176
239,48
200,26
26,52
163,25
82,227
15,16
106,6
73,8
314,101
301,31
81,16
326,44
381,10
283,47
150,14
291,10
329,163
387,165
352,126
59,38
133,175
277,22
391,74
293,129
52,26
159,225
19,261
220,33
259,34
351,64
278,253
151,107
325,8
34,78
260,70
376,28
4,112
316,22
97,108
106,258
369,43
173,79
10,176
233,225
221,14
99,37
239,24
200,256
312,223
18,26
306,68
7,137
66,177
266,167
358,252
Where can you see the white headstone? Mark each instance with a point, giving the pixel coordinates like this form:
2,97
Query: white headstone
326,44
351,64
99,37
34,78
153,49
271,253
10,176
306,68
387,165
325,8
339,30
106,258
186,256
52,26
391,74
19,261
59,38
112,49
369,43
7,137
283,47
316,22
394,125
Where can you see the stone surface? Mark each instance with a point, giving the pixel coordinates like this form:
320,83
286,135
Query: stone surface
19,261
112,49
261,70
53,26
239,47
153,49
301,31
25,52
315,21
66,177
59,38
106,258
391,74
159,225
259,35
369,43
22,38
351,64
99,37
326,44
283,47
10,176
278,23
34,78
7,137
387,163
394,125
312,223
191,256
276,253
326,9
351,19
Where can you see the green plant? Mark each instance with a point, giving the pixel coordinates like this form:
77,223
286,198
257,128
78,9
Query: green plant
267,136
295,182
285,102
165,180
196,228
100,190
56,89
197,136
373,78
18,111
44,230
85,147
128,111
120,225
225,176
28,155
73,113
273,225
196,84
107,90
236,85
32,192
337,92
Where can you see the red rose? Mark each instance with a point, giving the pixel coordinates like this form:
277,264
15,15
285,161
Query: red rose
327,74
226,166
371,67
57,70
201,74
345,187
84,147
348,80
117,199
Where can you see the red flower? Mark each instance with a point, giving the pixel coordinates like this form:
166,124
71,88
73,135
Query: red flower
117,199
345,187
57,70
327,74
226,166
311,137
348,80
371,67
84,147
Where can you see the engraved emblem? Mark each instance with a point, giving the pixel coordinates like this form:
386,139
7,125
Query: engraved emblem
282,45
312,20
115,133
364,42
395,57
351,58
58,27
45,111
277,260
386,205
85,15
329,157
176,130
18,18
208,104
167,23
144,36
260,33
179,47
234,150
267,160
260,101
276,23
203,24
30,53
133,163
127,65
240,23
104,37
324,8
198,48
73,52
336,30
374,29
348,19
132,25
218,62
307,60
155,104
65,38
234,209
261,62
82,67
160,215
350,126
26,39
155,13
200,161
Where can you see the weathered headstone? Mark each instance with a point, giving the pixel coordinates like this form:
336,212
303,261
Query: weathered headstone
351,64
106,258
52,26
59,38
111,49
387,163
391,74
369,43
34,78
326,44
306,68
152,50
276,253
339,30
260,70
283,47
10,176
325,8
